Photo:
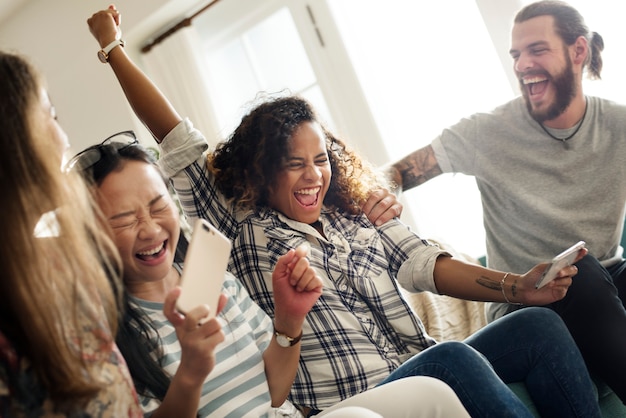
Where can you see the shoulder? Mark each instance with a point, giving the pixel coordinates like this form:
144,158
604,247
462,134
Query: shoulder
607,116
605,105
231,284
496,119
511,109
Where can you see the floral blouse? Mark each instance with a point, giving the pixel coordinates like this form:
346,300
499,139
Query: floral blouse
22,395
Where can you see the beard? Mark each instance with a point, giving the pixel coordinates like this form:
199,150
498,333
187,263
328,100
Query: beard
565,87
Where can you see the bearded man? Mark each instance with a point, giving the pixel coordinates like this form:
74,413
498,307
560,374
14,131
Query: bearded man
550,166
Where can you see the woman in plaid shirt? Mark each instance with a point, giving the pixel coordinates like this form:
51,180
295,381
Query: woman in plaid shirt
282,180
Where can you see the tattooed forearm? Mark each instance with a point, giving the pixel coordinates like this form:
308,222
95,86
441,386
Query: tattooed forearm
488,283
416,168
499,286
514,288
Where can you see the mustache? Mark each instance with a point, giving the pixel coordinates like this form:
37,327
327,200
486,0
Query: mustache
533,73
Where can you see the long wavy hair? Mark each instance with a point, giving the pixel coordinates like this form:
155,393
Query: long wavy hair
51,286
247,165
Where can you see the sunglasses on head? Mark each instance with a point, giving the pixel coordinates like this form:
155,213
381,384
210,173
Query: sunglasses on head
89,157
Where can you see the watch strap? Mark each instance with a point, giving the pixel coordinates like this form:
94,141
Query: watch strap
103,54
292,340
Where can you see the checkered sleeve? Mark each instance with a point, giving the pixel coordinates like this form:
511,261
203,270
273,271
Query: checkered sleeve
184,163
411,258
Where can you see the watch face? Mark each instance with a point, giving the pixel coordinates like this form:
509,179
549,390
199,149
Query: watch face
283,341
103,56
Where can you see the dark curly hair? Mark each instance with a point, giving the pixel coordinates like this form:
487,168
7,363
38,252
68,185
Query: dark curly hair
248,163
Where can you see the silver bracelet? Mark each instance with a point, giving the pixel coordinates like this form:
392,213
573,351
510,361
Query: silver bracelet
504,293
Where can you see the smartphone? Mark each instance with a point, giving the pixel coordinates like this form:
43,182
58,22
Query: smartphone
204,269
566,258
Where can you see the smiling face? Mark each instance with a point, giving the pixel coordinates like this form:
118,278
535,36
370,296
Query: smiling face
144,220
304,180
543,65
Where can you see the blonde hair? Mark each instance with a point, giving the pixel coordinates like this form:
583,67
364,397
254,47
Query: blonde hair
55,294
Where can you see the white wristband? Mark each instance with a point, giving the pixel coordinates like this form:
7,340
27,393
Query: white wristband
103,54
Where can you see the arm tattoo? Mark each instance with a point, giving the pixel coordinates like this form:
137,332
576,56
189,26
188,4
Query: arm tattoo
514,288
497,286
418,167
488,283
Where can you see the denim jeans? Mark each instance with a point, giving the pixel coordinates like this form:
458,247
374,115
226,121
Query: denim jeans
531,345
594,313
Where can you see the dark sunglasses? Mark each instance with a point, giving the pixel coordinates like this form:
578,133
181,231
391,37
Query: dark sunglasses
89,157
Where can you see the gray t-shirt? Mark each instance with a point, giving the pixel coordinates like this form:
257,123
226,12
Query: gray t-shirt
541,195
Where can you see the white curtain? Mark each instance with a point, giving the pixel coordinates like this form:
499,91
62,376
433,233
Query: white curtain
177,69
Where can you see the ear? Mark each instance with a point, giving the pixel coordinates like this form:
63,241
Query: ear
579,50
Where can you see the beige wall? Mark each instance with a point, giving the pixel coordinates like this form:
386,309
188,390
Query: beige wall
55,36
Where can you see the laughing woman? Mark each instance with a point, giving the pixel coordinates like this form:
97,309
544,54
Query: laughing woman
282,180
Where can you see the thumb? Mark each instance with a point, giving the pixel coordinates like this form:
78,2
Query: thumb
285,259
302,251
115,14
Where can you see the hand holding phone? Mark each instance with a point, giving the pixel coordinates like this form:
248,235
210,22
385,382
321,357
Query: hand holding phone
205,266
564,259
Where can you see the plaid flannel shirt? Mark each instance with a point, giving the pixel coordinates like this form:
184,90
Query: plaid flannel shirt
361,328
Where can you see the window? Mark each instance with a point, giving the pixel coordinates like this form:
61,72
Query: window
422,72
264,55
387,77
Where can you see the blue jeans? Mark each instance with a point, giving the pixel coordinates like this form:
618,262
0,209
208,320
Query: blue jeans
531,345
594,313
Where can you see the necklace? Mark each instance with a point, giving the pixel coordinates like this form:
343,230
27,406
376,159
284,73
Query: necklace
573,133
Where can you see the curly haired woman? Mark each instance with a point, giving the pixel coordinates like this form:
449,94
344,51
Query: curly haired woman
281,181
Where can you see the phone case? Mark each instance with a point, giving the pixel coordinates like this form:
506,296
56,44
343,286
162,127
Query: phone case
204,269
566,258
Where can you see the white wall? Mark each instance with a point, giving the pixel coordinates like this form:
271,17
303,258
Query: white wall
55,36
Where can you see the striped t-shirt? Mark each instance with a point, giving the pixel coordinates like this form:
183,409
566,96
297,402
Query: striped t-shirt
237,386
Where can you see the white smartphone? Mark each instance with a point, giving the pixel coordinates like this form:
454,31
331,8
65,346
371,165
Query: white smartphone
566,258
205,265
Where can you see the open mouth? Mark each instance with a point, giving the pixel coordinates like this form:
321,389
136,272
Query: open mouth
308,197
152,253
535,85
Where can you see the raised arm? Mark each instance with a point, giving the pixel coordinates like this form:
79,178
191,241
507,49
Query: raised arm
149,104
414,169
